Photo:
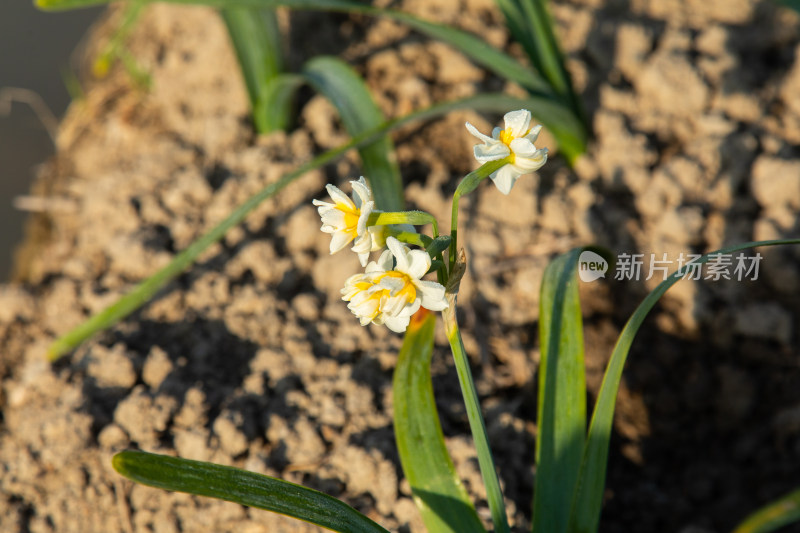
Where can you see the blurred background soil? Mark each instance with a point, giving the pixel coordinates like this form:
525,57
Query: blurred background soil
250,358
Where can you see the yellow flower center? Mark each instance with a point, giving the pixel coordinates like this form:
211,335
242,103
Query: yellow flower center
351,216
408,292
506,136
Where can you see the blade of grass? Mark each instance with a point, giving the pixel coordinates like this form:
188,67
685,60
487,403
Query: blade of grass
781,512
441,498
561,417
483,54
347,91
257,43
588,498
243,487
144,291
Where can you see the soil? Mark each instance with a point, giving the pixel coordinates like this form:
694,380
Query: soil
251,359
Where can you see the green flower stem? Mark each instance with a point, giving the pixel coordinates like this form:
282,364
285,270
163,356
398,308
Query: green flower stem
466,186
415,218
476,424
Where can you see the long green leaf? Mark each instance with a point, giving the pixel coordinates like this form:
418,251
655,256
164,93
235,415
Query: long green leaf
561,418
781,512
516,23
439,494
545,55
588,498
243,487
256,40
530,23
347,91
146,290
483,54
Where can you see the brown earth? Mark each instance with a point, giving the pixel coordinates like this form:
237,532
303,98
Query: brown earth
251,359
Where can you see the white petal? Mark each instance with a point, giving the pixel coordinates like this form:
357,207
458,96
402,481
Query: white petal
362,244
528,164
350,288
338,196
321,204
366,210
334,218
496,133
394,305
505,178
384,263
490,152
324,207
523,147
419,263
432,295
518,121
365,308
534,133
361,192
399,250
392,284
409,310
339,240
474,131
372,267
363,297
396,324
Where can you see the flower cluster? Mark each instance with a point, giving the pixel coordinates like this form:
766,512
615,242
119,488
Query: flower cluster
346,220
391,289
515,140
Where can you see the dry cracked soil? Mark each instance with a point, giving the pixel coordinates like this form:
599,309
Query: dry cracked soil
250,358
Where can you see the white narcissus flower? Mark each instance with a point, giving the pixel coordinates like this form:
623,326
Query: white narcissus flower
515,140
346,220
386,295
